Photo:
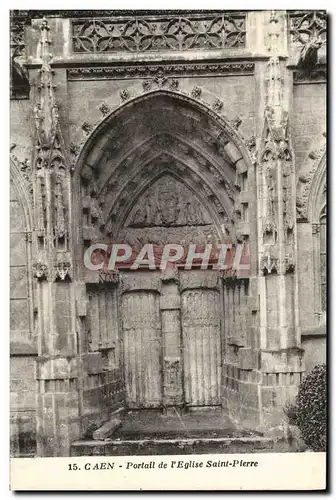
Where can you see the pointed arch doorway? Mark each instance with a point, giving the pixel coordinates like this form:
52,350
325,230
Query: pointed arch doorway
163,169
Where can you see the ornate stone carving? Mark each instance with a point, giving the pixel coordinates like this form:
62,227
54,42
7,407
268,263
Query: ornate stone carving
87,127
173,33
168,204
147,85
316,228
196,92
251,146
40,270
104,109
173,84
151,70
124,95
276,141
51,167
236,122
217,105
308,30
289,260
269,262
160,80
49,140
62,270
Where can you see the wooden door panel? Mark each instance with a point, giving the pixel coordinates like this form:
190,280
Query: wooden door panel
201,347
142,349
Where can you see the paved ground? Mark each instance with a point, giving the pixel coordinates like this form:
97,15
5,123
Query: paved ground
146,424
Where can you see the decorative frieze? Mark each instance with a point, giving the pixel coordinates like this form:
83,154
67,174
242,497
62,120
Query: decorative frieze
155,71
173,33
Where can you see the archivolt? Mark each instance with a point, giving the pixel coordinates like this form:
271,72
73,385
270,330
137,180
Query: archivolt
310,177
162,132
19,186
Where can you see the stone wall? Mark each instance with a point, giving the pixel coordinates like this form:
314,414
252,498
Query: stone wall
242,101
23,345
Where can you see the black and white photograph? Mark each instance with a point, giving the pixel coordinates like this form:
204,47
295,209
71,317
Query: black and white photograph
168,244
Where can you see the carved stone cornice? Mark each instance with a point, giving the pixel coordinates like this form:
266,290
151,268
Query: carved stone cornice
154,70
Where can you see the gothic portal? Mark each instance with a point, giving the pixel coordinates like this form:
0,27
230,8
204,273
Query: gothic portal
203,128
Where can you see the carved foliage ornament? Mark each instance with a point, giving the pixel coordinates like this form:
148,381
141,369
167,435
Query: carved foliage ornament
155,34
151,70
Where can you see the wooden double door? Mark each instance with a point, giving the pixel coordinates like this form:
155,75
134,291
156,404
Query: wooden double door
171,339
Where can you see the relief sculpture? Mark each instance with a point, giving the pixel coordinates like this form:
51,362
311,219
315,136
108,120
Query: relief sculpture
168,203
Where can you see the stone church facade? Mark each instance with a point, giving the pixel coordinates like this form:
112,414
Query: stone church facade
164,127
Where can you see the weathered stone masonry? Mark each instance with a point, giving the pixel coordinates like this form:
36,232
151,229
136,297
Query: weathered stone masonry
164,128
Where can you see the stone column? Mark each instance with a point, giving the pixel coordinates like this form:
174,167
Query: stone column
281,358
57,365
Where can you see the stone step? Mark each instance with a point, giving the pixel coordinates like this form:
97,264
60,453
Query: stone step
183,446
106,430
